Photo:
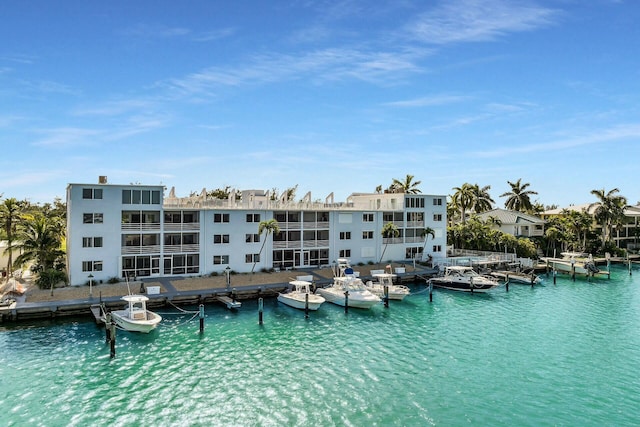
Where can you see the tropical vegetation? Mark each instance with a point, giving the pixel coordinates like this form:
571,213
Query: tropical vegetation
35,236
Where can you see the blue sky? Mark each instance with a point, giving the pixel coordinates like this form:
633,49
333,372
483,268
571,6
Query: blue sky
332,96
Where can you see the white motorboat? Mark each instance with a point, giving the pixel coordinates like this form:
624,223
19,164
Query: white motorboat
461,278
301,296
348,289
575,262
135,317
395,292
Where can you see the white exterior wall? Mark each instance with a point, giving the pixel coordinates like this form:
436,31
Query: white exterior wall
347,217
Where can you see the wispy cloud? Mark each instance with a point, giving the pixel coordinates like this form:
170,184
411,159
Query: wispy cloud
65,137
319,66
115,108
428,101
150,32
478,20
608,135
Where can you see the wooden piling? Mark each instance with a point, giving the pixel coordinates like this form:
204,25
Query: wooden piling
346,301
507,282
201,314
430,292
112,352
386,296
306,305
260,309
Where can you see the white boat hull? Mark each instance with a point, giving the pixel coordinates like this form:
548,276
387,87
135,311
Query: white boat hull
120,318
394,292
298,301
356,299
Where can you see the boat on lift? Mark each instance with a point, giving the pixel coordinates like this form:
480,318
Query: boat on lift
463,278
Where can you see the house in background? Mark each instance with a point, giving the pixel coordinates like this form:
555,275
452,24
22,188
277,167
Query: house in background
516,223
627,235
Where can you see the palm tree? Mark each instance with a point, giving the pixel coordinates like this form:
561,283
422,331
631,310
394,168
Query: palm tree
39,242
463,199
269,226
482,201
389,231
428,231
518,198
10,213
407,186
609,209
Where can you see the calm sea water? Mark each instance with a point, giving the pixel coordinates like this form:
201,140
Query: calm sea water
563,355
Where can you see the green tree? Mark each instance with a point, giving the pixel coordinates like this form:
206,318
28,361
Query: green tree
10,216
608,210
426,232
518,199
40,243
463,199
408,185
482,201
269,226
389,231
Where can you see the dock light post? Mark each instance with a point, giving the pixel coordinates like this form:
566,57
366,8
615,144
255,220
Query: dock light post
90,285
227,271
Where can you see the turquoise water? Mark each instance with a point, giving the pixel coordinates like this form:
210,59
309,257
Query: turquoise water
563,355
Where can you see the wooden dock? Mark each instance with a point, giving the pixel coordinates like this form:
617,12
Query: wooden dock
96,310
230,303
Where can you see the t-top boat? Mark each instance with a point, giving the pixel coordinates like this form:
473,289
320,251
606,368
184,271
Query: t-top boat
348,289
135,317
395,292
297,297
461,278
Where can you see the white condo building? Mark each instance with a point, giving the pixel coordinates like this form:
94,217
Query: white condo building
114,231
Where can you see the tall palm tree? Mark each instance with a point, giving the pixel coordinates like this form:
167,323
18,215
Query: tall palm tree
428,231
609,209
463,199
269,226
407,186
482,201
389,231
518,199
10,212
39,242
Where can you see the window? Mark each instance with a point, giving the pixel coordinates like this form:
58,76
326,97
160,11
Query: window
172,239
220,259
413,253
220,238
252,238
220,217
92,193
345,253
136,197
437,248
414,202
437,201
345,235
367,234
91,265
437,217
368,217
92,242
92,218
251,258
253,217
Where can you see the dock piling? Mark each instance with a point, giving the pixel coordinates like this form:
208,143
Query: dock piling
430,292
306,306
346,301
201,314
260,309
386,296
